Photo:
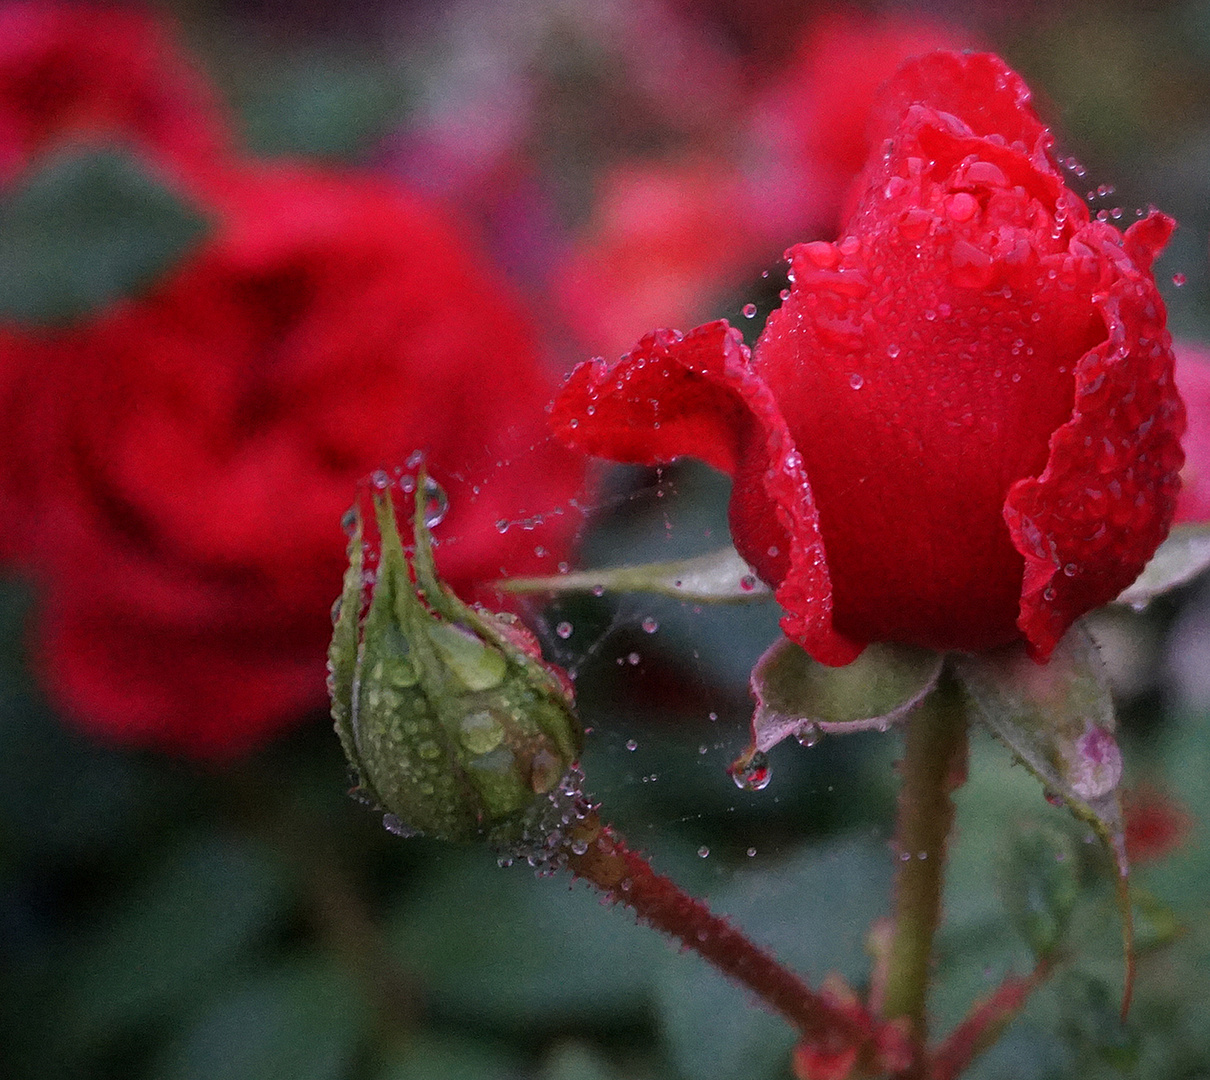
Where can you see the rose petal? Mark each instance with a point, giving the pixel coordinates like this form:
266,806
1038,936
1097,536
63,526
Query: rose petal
921,364
696,394
1088,524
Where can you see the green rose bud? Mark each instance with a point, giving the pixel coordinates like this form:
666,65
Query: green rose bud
448,715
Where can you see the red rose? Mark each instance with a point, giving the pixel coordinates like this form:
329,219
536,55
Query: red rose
1193,381
961,428
187,457
95,71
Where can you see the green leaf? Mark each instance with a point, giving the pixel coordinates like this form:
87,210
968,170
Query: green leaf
452,1058
718,577
508,949
811,911
302,1022
1058,719
196,914
1039,878
796,695
799,696
313,103
1180,558
85,229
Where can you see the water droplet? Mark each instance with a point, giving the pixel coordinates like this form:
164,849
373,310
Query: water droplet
747,582
436,503
579,847
808,735
749,311
1178,280
631,744
703,852
563,630
751,772
650,626
349,521
392,824
1070,569
633,658
502,525
751,852
480,732
598,590
380,479
892,350
856,381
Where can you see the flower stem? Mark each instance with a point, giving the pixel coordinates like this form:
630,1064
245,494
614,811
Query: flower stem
985,1022
933,766
837,1027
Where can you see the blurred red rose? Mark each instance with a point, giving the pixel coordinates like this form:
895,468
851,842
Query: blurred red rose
98,72
665,240
1156,823
1193,381
961,428
812,121
186,458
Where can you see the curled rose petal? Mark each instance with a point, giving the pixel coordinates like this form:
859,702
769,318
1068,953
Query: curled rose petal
696,394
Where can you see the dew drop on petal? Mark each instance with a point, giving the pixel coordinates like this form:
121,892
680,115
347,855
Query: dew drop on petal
1178,280
703,852
749,311
856,381
751,852
631,745
563,630
650,626
633,658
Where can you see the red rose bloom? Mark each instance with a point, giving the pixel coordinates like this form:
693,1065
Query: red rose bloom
187,457
961,428
1193,381
94,71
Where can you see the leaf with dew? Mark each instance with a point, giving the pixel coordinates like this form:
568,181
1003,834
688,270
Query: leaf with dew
1058,720
796,695
716,577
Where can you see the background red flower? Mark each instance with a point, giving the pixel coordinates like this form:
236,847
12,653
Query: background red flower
101,73
187,457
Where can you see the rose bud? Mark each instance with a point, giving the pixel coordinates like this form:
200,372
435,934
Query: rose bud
961,428
447,713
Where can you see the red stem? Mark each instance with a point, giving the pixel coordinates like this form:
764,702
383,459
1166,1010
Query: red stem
985,1022
838,1030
